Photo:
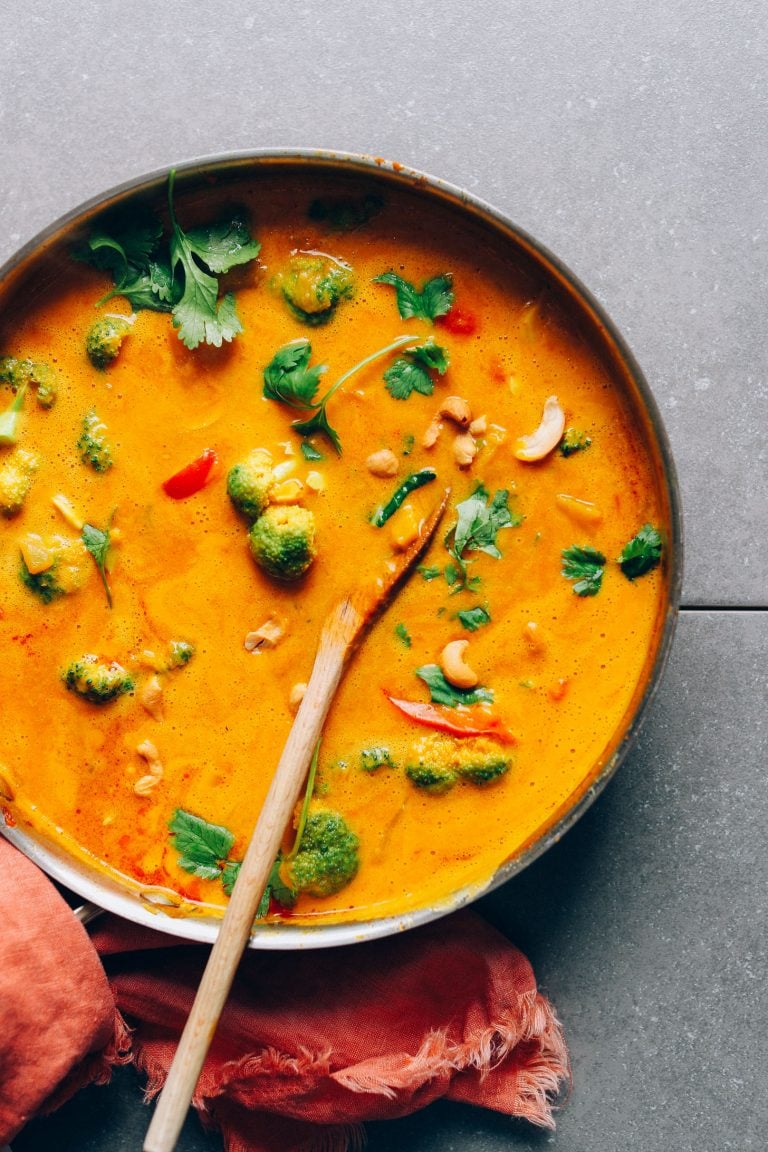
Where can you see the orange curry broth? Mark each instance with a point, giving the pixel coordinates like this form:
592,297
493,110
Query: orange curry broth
182,569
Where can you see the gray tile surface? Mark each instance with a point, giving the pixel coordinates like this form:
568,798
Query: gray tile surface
630,138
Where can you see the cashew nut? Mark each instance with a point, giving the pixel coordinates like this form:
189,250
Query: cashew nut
431,436
268,635
152,697
464,449
455,669
456,408
383,463
546,437
296,696
479,426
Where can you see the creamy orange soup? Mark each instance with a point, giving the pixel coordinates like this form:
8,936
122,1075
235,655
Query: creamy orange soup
104,780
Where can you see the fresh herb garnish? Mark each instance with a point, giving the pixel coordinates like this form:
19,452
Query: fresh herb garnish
410,372
642,553
434,299
147,274
429,573
586,566
441,692
289,379
573,441
403,634
479,520
98,542
309,452
408,442
203,848
410,484
474,618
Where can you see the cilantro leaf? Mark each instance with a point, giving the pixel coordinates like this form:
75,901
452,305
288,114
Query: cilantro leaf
642,553
474,618
478,522
586,566
197,313
318,423
434,299
409,373
98,542
429,573
126,246
203,847
441,692
403,634
309,452
223,245
288,377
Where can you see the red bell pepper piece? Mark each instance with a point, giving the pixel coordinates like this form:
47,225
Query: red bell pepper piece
465,721
458,321
192,478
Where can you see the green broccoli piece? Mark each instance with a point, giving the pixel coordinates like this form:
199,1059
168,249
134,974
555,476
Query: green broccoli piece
250,483
98,681
440,762
574,441
181,652
15,482
45,585
484,771
371,759
282,541
22,374
104,339
435,778
313,285
327,859
92,445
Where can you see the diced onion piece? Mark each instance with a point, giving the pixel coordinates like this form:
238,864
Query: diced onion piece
546,437
68,511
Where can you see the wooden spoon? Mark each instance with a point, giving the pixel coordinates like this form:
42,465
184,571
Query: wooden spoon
341,633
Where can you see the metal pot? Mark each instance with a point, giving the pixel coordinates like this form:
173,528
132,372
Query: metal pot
144,908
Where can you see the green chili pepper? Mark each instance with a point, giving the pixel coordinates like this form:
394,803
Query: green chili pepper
410,484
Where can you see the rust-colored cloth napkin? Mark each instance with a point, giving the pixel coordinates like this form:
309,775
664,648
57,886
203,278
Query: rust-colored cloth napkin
310,1045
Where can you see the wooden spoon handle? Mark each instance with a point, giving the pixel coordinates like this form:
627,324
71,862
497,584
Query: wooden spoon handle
252,879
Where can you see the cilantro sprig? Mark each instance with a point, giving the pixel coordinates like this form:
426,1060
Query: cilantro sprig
642,553
98,542
411,371
586,567
433,299
177,275
289,379
479,519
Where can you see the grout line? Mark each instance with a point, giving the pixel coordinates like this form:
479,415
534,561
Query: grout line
720,608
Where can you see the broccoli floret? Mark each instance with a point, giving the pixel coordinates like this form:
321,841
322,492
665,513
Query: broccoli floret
282,541
440,762
52,567
327,859
371,759
40,377
92,445
15,482
312,286
181,652
105,339
574,441
98,681
249,483
434,777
